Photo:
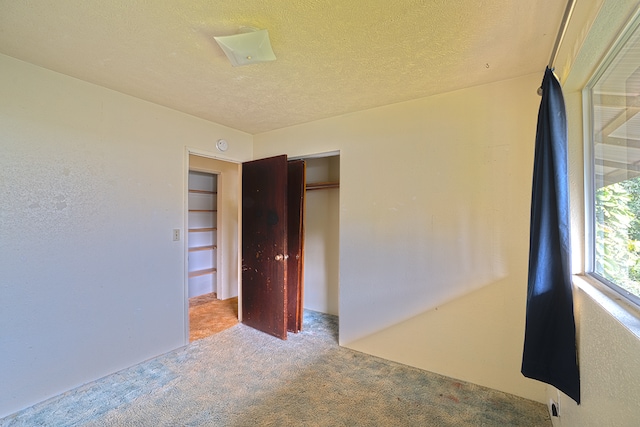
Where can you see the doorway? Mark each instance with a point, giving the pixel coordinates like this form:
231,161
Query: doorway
322,234
211,246
266,281
273,192
321,224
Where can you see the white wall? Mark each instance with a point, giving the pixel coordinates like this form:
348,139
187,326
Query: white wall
322,238
609,366
92,183
434,217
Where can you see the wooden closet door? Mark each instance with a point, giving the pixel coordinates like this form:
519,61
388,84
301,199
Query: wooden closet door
295,243
264,245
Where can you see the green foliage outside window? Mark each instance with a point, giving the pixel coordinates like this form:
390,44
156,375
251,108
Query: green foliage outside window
618,234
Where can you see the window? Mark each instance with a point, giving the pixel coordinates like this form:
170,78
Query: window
614,154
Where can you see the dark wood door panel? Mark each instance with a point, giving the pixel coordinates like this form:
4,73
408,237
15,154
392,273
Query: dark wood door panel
264,245
295,242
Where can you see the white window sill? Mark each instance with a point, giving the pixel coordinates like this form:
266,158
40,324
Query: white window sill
625,312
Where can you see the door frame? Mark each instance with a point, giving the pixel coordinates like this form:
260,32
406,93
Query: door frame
185,240
217,156
321,155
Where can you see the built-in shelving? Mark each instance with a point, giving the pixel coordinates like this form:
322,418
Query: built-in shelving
202,248
322,185
202,191
203,212
201,272
202,230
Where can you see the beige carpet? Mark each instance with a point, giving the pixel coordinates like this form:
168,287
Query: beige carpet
241,377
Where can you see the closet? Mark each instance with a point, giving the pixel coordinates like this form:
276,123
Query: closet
322,235
203,227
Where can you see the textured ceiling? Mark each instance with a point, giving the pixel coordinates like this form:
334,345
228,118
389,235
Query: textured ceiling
333,56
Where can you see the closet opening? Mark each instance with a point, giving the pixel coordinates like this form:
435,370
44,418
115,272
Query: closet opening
321,244
211,246
322,234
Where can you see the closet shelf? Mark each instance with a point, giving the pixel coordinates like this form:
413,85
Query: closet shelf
322,185
200,230
201,272
202,191
202,248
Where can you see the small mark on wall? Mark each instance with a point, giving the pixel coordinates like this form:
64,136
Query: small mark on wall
60,202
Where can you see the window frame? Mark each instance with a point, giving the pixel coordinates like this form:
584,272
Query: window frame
625,34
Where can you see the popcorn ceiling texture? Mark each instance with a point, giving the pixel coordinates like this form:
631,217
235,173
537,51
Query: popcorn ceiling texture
333,56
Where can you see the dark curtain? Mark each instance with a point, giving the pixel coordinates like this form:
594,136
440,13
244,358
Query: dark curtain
550,353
